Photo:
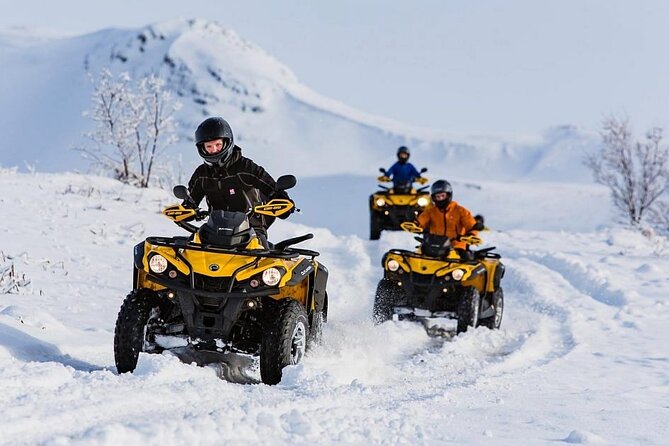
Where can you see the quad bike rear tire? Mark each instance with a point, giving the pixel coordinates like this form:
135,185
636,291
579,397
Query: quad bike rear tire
468,309
495,321
374,227
138,308
284,340
387,296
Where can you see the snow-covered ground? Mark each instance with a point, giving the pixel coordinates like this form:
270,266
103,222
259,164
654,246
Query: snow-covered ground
581,356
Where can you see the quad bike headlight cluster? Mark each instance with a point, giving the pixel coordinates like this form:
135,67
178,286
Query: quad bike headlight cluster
158,263
422,202
271,276
393,265
380,202
458,274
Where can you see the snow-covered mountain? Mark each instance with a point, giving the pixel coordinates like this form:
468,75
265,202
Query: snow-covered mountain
279,122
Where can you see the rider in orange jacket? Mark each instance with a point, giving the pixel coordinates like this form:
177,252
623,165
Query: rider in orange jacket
445,217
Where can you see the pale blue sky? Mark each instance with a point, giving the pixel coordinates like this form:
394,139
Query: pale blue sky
492,66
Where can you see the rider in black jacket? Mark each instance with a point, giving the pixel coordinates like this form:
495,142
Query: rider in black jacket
228,180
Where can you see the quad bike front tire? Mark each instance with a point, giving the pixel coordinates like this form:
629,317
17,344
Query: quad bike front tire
468,309
138,308
284,340
495,321
387,296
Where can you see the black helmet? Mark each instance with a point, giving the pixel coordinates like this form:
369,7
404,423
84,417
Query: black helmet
403,149
209,130
442,186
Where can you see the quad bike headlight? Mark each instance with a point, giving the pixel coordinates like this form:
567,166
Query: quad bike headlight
380,202
422,202
393,265
158,263
271,276
457,274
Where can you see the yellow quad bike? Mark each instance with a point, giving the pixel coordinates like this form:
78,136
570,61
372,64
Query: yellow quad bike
391,206
219,292
435,283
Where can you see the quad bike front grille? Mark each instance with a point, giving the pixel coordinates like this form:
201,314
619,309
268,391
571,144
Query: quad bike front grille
214,284
428,292
423,280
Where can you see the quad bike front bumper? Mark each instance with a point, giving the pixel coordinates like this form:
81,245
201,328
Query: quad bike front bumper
218,321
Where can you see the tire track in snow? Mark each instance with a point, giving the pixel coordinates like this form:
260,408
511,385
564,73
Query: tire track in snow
586,278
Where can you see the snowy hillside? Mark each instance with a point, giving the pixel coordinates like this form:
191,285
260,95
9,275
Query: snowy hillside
580,357
281,124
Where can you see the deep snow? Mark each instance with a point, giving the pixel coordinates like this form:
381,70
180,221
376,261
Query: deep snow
580,357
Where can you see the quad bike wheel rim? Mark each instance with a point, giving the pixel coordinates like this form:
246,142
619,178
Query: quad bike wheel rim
148,345
475,311
499,309
298,343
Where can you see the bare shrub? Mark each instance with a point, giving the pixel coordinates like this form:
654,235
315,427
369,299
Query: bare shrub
635,172
134,123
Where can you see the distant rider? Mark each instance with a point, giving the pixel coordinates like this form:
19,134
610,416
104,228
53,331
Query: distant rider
445,217
403,173
228,180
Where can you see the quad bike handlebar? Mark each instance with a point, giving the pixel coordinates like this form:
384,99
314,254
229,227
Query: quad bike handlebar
470,239
384,178
189,210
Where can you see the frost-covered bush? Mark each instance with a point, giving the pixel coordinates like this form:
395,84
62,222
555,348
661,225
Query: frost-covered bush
134,123
636,172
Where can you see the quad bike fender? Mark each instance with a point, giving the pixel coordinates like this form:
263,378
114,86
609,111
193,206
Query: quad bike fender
499,273
300,272
477,280
307,285
299,293
150,250
138,253
495,271
141,281
320,295
472,272
138,265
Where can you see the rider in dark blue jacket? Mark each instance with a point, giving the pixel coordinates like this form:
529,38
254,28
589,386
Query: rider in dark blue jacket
403,173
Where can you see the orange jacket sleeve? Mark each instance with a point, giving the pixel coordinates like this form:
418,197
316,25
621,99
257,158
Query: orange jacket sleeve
424,219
